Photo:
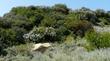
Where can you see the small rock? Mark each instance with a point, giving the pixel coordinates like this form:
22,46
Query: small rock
41,47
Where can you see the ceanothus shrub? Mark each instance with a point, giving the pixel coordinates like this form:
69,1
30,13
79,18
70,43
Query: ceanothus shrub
41,34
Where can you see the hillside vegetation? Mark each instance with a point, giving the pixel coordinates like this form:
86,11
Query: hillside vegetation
67,29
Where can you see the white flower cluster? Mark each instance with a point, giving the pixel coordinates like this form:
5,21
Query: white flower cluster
38,33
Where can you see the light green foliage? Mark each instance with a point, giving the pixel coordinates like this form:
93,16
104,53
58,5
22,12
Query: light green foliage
98,40
69,39
103,21
23,49
48,21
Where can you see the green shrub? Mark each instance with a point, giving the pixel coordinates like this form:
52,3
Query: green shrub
78,27
13,36
98,40
48,21
61,8
7,37
86,14
69,39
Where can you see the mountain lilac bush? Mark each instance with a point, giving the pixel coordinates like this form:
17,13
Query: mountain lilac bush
39,34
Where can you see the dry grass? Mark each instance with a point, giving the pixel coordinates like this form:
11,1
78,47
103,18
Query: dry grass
61,52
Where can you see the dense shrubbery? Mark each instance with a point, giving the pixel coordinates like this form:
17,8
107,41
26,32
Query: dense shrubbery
77,26
10,37
52,24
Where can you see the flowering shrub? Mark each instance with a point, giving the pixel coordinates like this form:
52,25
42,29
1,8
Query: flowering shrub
40,34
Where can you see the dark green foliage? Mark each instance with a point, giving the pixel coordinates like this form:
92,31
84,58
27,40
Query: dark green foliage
61,8
2,51
5,24
19,34
77,26
10,37
100,13
7,37
61,33
86,14
103,17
